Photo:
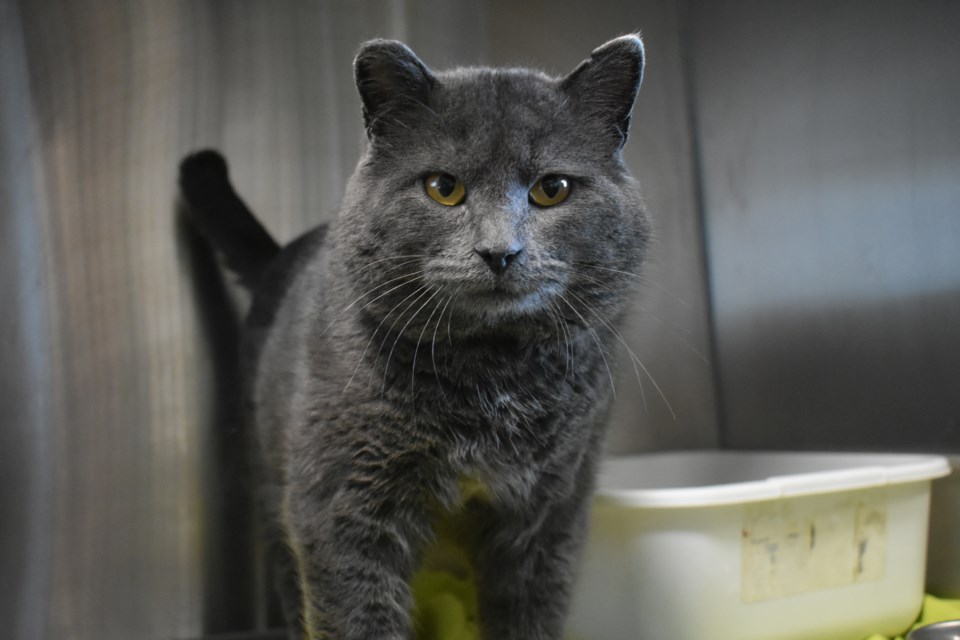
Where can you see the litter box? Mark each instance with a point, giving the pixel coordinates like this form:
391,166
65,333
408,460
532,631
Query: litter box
755,546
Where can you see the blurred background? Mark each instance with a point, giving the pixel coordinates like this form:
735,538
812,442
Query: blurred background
801,162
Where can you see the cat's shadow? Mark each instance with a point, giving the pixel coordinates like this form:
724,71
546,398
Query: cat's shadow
233,598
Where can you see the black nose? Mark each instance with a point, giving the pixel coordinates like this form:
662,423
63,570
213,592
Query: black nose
498,261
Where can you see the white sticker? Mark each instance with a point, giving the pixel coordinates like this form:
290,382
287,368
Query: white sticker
788,550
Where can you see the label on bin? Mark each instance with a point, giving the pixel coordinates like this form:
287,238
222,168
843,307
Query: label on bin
794,547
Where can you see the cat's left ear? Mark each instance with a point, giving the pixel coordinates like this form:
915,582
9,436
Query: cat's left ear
394,85
605,86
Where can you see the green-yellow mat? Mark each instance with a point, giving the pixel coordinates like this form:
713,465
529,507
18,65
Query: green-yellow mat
446,608
934,610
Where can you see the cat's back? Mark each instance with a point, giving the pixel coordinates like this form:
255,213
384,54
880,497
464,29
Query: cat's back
280,278
288,292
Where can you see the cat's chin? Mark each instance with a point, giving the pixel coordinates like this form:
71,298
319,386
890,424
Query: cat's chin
492,307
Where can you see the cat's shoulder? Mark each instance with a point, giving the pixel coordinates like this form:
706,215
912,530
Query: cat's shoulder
280,276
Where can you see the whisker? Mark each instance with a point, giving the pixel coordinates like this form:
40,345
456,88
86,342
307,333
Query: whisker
570,343
669,327
635,359
640,277
596,339
562,330
672,327
422,292
392,289
449,318
374,334
433,345
365,294
386,366
556,326
416,351
401,257
656,386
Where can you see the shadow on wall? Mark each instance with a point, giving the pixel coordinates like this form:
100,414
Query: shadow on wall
847,377
230,550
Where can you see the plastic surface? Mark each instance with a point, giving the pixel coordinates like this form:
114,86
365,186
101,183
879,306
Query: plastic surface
755,546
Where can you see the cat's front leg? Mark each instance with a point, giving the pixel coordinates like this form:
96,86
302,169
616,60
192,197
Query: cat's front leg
526,573
355,555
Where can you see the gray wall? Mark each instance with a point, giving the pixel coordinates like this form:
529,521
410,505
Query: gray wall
123,506
829,144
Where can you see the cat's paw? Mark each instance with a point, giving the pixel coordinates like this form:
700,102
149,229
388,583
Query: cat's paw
204,177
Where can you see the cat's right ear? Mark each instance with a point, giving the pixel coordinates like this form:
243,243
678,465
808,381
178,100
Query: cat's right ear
394,85
604,86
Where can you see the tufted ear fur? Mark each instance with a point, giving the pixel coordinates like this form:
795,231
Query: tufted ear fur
604,87
393,83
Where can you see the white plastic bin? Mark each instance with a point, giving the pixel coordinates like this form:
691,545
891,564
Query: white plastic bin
755,546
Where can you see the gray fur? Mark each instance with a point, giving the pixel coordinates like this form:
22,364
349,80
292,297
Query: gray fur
381,381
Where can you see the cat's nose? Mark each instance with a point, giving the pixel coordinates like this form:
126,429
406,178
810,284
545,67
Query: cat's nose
499,260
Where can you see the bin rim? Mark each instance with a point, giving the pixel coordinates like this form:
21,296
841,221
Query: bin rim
868,470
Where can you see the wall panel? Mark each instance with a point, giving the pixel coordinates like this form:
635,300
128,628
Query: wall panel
829,139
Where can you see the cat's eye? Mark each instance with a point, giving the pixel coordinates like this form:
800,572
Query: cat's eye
550,190
445,189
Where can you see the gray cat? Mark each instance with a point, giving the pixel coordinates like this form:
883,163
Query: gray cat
436,361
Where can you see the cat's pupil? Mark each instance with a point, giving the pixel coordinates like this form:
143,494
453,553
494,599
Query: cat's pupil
551,186
446,184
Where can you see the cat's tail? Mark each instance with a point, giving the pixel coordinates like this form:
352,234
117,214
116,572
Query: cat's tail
222,218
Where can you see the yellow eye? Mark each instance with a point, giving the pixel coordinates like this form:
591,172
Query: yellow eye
445,189
550,190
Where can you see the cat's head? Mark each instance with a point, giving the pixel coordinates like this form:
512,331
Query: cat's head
496,195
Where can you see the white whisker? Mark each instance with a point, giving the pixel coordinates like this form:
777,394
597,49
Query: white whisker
636,360
633,358
374,334
368,292
640,277
402,257
562,330
416,351
422,292
433,345
386,366
669,327
596,339
449,318
392,289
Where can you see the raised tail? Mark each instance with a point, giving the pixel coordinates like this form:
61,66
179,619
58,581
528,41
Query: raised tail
223,219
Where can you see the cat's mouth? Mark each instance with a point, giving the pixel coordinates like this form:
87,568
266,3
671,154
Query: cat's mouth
517,294
500,292
508,300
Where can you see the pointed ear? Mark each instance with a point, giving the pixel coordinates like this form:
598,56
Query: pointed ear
393,83
605,85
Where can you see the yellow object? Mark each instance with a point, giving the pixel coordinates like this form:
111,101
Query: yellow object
934,610
445,607
444,588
